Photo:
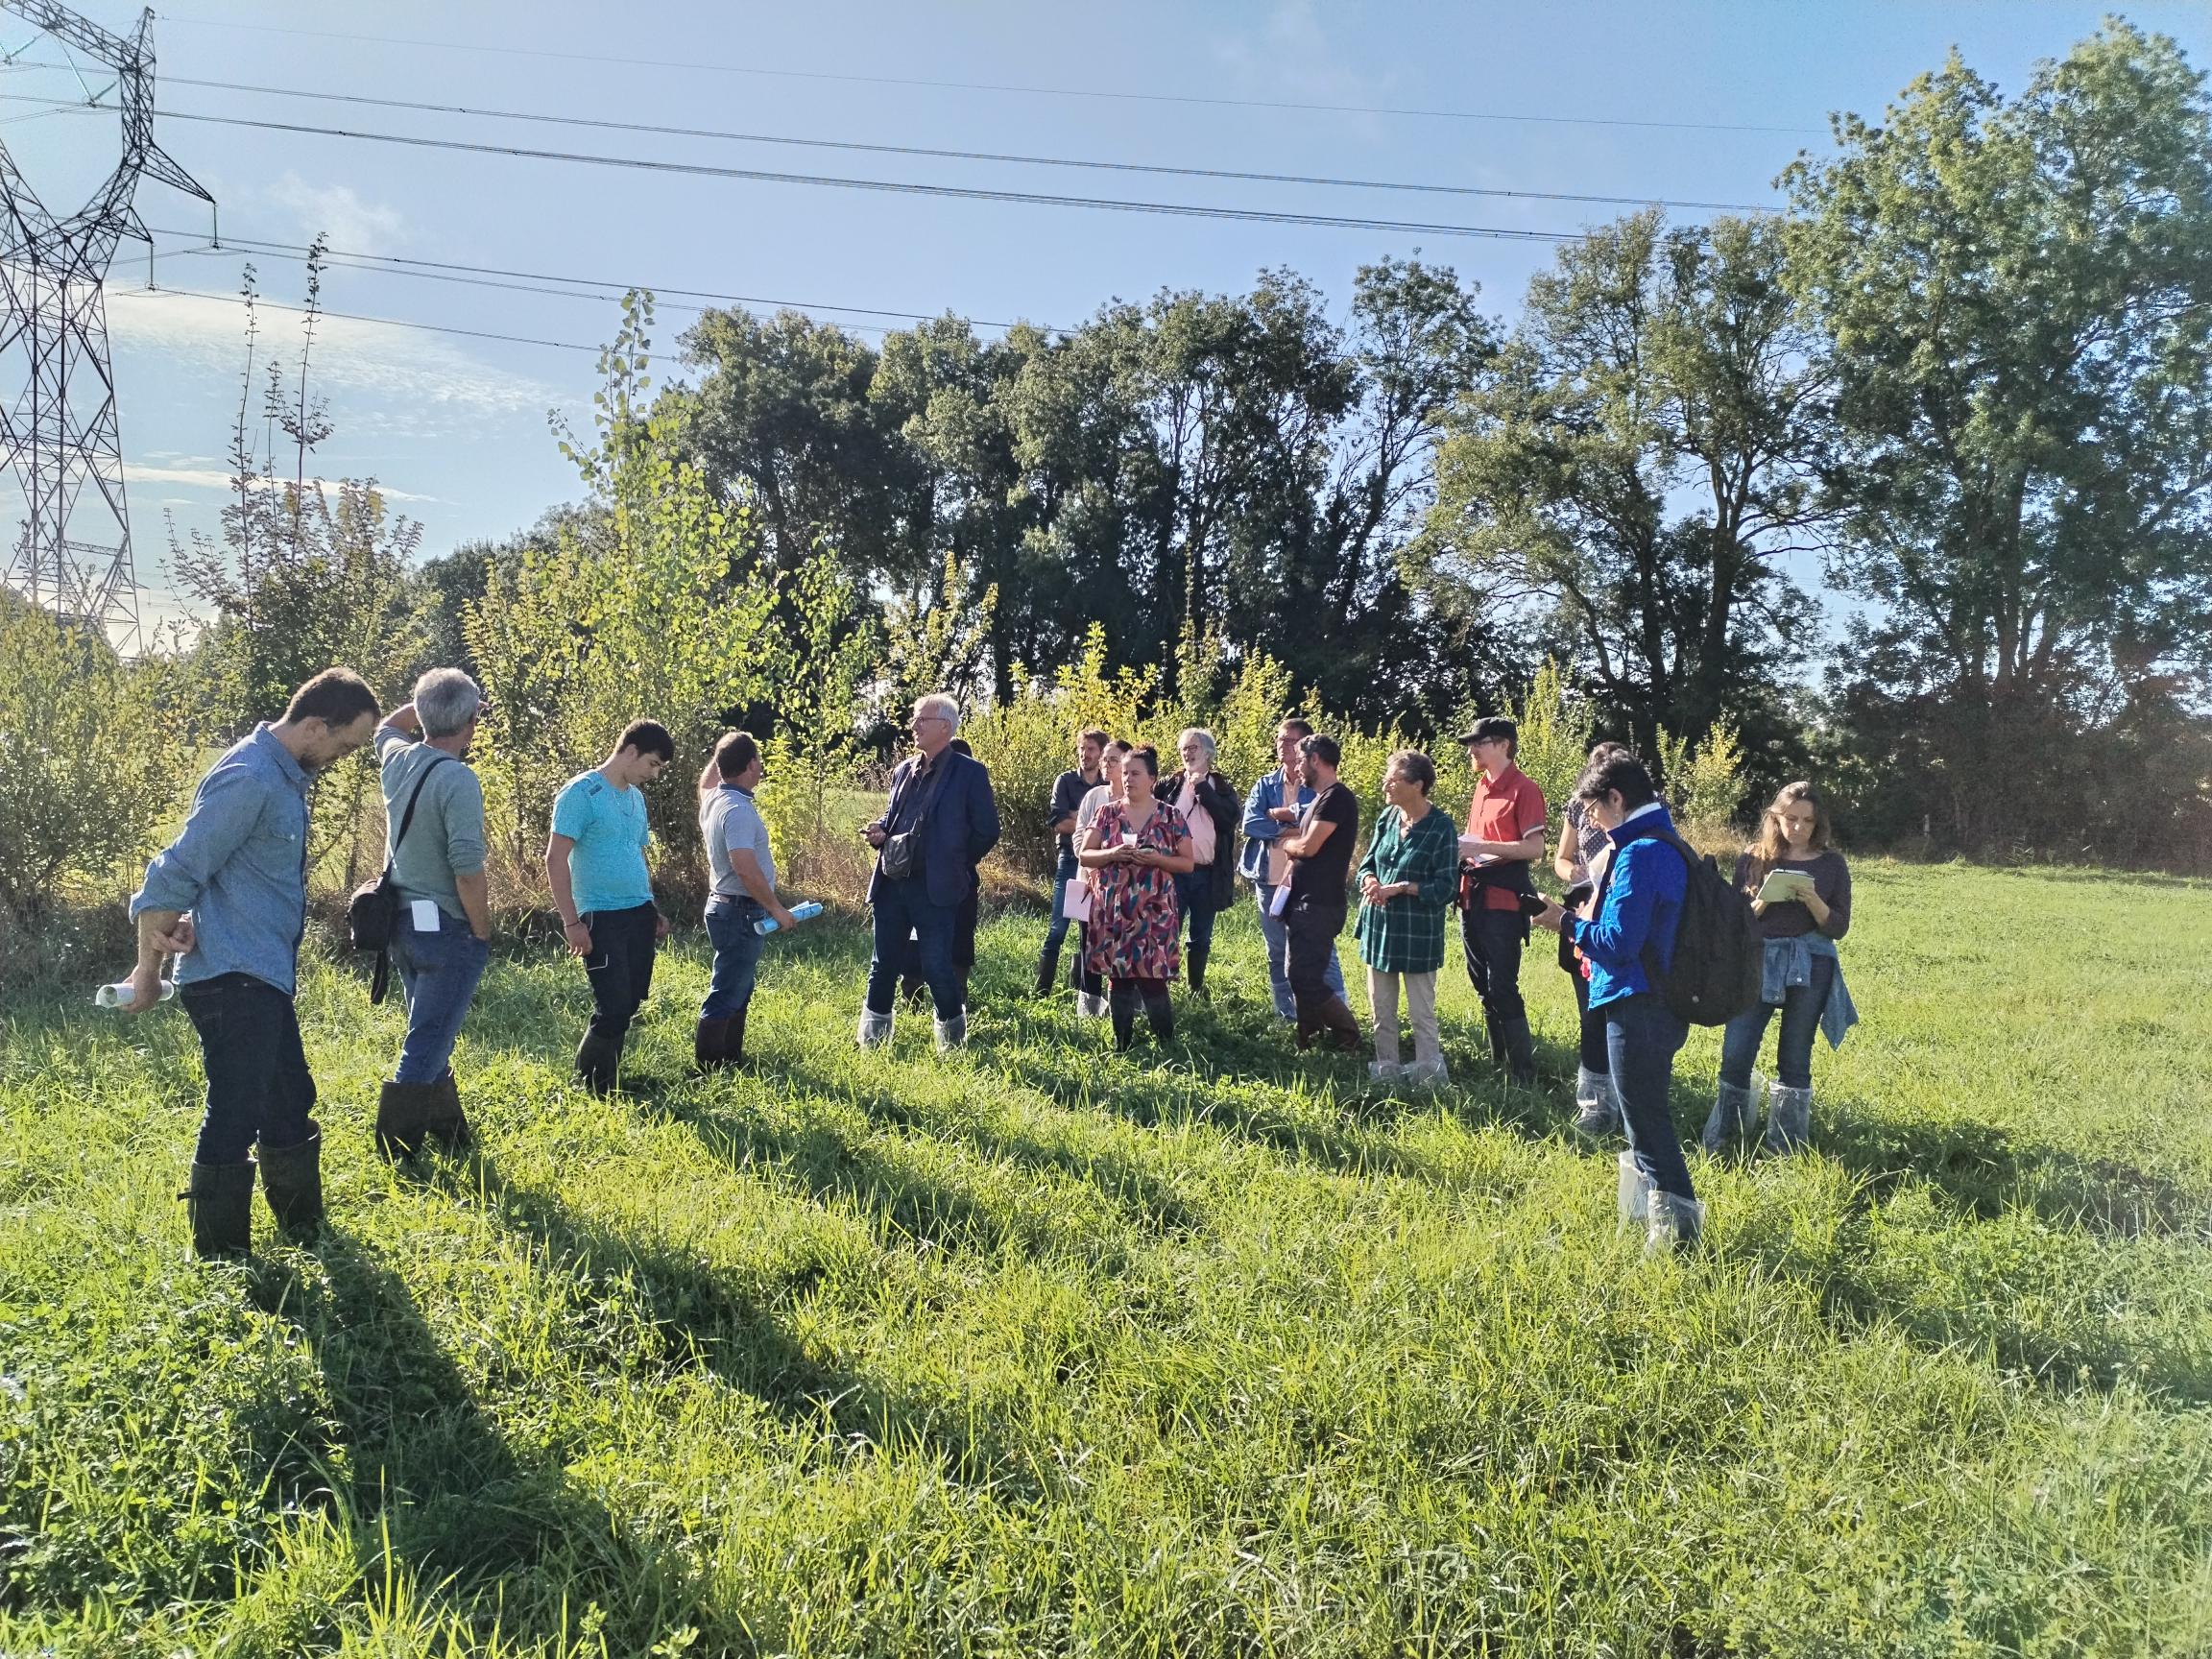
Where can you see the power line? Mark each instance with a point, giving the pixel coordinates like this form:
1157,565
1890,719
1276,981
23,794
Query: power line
136,293
596,58
992,156
960,192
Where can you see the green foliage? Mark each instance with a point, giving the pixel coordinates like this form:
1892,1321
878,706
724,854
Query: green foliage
819,666
634,613
88,761
938,645
1704,784
1556,729
1050,1352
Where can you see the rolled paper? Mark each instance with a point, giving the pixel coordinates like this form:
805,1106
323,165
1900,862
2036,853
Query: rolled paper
806,912
119,994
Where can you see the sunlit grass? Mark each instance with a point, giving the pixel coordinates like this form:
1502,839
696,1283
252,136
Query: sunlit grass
1203,1351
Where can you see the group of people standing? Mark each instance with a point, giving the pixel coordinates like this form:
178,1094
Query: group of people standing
1145,863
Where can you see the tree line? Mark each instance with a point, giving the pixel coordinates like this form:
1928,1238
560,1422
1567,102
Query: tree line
1964,383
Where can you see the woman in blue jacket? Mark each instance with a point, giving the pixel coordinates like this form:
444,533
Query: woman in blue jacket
1630,939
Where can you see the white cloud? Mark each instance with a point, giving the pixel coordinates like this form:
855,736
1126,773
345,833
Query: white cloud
353,225
434,385
218,478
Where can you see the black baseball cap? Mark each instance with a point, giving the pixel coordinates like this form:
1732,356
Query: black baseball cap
1491,726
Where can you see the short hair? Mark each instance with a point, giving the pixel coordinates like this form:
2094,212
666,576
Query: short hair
647,738
959,746
1605,747
1095,735
1146,753
1118,745
1296,727
736,752
1620,773
1202,735
336,697
445,701
1320,746
938,702
1418,768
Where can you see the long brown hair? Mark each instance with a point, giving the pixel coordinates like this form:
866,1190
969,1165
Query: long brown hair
1770,846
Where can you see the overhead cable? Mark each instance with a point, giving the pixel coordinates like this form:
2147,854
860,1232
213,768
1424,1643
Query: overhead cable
598,60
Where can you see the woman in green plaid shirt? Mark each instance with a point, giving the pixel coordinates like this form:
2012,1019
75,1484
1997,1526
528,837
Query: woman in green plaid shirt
1406,884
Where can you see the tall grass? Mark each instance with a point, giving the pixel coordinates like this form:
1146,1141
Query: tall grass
1205,1351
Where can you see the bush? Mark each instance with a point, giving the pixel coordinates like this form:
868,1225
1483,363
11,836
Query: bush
88,764
1705,787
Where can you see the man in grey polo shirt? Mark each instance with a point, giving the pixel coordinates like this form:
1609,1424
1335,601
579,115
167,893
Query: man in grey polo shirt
228,897
441,940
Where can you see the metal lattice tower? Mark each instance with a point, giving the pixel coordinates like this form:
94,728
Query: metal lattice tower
60,436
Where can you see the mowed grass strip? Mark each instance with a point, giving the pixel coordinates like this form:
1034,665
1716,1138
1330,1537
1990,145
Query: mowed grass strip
1200,1351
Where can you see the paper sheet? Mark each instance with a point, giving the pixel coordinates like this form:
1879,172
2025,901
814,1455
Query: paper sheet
425,915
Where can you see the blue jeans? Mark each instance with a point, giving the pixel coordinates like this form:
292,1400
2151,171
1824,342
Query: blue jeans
1272,929
1642,1038
902,908
438,971
259,1085
737,955
1065,872
1747,1033
1194,906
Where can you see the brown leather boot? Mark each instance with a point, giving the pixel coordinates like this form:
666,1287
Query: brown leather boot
1341,1026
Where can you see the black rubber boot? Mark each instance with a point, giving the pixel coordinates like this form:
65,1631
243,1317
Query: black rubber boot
1159,1015
292,1181
446,1122
1121,1002
1519,1049
599,1063
709,1044
733,1039
219,1203
403,1118
1047,970
1194,963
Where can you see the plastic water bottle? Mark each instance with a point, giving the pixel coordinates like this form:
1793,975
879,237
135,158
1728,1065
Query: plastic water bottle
806,912
119,994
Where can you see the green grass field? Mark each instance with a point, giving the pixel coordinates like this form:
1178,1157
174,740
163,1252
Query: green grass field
1042,1351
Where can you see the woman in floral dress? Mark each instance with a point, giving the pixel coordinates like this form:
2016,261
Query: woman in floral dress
1135,848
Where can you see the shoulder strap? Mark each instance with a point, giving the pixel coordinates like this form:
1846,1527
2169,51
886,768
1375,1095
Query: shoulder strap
407,817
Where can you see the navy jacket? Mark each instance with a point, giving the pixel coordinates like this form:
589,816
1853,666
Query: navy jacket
961,828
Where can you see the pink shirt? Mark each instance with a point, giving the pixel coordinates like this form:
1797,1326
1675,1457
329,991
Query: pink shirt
1200,821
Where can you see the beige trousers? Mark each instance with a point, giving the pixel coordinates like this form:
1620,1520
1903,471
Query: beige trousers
1420,1009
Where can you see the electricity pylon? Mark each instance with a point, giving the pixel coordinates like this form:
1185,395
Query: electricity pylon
60,436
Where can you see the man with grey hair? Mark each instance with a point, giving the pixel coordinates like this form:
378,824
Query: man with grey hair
441,940
940,821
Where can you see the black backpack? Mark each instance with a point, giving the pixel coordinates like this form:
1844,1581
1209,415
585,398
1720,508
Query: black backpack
1717,963
1718,960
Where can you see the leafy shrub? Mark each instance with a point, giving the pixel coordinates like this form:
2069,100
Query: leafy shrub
88,761
1705,786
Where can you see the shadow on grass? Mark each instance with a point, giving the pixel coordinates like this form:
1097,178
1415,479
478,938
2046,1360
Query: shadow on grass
706,1322
426,1477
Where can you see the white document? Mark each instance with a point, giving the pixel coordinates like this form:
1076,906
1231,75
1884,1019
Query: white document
1075,902
425,915
1281,901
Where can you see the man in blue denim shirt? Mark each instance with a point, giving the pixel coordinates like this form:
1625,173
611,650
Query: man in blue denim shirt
229,897
441,938
1271,808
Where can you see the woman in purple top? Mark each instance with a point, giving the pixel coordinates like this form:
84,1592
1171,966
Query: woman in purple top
1800,891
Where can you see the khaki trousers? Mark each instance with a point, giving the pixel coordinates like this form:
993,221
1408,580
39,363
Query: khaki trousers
1420,1009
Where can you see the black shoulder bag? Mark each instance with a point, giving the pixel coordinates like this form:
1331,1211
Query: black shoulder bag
373,913
902,852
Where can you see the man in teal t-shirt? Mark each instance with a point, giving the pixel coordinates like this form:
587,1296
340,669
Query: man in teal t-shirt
595,864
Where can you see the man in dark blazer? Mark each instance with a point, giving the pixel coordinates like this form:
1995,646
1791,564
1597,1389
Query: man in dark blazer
943,800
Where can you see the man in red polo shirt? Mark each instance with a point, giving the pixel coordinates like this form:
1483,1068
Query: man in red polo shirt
1505,838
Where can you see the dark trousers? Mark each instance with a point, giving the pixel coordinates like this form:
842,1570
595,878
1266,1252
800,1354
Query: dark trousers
1492,941
620,966
901,911
1194,902
1310,929
1594,1058
1747,1033
259,1085
737,955
1641,1039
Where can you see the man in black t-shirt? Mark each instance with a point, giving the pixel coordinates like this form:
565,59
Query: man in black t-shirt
1067,792
1320,853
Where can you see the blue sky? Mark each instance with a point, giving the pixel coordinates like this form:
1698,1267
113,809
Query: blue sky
454,425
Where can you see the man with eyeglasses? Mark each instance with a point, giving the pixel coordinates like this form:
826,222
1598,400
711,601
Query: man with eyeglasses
940,821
